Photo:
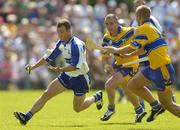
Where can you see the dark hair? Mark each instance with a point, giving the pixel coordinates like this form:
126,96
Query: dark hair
64,22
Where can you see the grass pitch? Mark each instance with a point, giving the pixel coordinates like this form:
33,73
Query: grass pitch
58,114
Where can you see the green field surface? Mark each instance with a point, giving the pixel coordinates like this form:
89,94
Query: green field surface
58,114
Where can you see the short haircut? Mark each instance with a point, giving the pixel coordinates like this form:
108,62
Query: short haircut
144,11
64,22
138,3
142,2
111,16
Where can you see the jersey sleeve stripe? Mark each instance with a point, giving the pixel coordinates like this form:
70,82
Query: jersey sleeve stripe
154,45
74,54
106,40
55,53
136,45
141,37
124,38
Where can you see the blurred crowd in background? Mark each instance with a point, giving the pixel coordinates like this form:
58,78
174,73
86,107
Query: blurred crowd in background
28,28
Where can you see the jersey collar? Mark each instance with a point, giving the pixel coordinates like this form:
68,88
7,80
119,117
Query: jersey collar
119,29
69,41
147,21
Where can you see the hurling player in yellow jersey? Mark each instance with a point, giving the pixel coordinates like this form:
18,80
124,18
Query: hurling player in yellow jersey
160,71
118,36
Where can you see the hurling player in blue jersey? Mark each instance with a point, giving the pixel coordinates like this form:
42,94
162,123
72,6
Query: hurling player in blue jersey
72,76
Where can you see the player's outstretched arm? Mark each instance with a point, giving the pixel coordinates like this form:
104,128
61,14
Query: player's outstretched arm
30,67
110,49
134,53
62,69
123,50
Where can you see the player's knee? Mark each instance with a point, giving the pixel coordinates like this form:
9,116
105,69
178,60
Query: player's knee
167,104
107,86
126,90
77,109
131,85
110,86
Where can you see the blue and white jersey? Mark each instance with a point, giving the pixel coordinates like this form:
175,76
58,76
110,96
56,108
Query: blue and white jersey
74,54
153,21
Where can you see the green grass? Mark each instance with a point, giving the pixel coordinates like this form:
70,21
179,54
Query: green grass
59,115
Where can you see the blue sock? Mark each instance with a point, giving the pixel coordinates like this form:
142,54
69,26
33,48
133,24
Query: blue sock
142,104
111,107
139,110
97,97
155,105
29,115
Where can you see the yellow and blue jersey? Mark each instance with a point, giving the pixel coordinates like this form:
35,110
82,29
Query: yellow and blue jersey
148,37
160,71
156,24
123,38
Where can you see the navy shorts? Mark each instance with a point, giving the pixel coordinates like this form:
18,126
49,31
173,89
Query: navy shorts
162,77
127,73
80,84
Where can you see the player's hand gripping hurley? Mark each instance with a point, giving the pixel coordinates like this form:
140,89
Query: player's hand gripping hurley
92,45
28,68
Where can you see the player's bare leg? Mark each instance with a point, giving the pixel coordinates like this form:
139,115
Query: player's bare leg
81,103
110,86
165,97
136,85
53,89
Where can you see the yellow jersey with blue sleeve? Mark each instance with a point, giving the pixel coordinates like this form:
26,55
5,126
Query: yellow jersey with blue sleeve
154,44
123,38
160,71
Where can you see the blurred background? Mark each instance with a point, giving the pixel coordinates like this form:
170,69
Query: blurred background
28,28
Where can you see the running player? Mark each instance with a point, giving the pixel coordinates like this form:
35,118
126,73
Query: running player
73,76
157,25
160,71
118,36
